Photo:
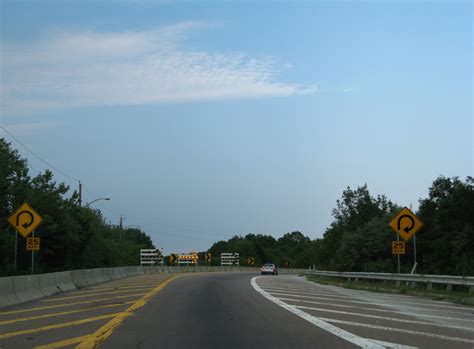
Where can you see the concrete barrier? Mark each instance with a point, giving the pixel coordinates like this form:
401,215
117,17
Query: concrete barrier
114,273
27,288
64,281
7,292
79,278
96,276
19,289
151,270
105,274
47,283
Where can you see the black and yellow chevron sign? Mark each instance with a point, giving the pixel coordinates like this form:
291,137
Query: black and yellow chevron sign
208,257
172,258
288,263
250,260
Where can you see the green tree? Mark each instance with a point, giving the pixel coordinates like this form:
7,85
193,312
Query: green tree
446,243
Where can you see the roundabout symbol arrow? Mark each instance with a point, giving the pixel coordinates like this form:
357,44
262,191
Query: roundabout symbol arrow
27,224
408,228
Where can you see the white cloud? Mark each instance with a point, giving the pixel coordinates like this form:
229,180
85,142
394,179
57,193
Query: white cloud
66,70
27,129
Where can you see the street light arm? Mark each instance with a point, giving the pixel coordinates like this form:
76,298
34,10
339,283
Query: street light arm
87,205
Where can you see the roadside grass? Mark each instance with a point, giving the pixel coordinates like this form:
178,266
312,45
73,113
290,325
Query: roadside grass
457,295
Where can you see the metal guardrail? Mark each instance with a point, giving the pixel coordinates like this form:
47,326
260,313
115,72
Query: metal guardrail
429,280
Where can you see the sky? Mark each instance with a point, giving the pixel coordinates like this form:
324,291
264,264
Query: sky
202,120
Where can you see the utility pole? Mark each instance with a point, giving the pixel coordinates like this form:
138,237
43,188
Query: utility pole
120,225
80,194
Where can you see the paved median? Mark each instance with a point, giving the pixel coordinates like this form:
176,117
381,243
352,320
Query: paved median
81,318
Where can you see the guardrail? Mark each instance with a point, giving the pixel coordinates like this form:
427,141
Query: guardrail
24,288
413,279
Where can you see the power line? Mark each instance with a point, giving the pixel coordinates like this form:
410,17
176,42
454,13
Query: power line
38,157
105,208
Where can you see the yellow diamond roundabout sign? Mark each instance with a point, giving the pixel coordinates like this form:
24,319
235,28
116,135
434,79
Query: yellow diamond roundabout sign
25,220
406,223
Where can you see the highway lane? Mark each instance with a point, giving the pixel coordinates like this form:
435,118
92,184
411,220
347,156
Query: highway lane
241,310
233,310
217,310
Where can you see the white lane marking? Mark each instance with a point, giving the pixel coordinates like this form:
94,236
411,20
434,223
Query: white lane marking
416,333
392,296
299,290
385,318
350,337
360,302
323,303
374,309
393,345
410,301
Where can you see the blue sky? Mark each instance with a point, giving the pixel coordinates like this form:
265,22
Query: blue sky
202,120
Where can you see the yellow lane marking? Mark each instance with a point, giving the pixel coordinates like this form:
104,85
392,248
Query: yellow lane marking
61,325
130,283
113,287
62,313
63,343
105,331
68,304
94,294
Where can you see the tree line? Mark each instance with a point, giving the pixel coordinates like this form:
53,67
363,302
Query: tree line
359,238
72,237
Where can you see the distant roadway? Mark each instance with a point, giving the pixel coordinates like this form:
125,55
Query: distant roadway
233,310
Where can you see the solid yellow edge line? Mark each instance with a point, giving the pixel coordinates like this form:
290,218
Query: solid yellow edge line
105,331
51,327
63,343
63,313
27,310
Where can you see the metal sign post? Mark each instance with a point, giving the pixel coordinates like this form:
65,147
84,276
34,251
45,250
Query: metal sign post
33,257
16,249
414,254
398,256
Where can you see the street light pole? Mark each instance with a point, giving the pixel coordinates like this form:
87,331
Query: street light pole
87,205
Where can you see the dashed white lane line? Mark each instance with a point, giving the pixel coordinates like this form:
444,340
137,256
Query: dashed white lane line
393,345
373,309
350,337
392,329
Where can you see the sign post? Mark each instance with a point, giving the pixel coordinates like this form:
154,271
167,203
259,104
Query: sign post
16,249
398,255
33,257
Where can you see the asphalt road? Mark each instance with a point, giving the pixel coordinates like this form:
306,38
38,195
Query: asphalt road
69,319
217,310
233,310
